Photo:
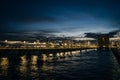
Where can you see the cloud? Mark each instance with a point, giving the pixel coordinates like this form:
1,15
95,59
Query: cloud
94,35
26,35
51,17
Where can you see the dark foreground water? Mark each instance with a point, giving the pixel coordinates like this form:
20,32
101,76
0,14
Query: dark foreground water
91,65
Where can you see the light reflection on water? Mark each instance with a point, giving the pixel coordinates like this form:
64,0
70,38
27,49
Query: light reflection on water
4,63
46,68
23,65
23,60
85,65
34,59
44,57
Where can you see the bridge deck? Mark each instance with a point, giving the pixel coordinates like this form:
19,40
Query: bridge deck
48,48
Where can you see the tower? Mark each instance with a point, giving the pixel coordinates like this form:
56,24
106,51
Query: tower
103,41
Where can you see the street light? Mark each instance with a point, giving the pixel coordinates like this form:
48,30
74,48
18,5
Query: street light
24,43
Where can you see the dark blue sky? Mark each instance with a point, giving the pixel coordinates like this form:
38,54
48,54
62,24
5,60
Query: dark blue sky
59,17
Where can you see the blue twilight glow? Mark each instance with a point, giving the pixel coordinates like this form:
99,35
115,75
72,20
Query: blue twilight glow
61,17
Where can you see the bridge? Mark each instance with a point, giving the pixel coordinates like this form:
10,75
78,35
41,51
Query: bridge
103,42
45,50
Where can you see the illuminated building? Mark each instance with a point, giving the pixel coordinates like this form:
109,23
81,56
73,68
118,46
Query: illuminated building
103,41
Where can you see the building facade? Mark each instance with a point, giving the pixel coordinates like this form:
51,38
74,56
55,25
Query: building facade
103,41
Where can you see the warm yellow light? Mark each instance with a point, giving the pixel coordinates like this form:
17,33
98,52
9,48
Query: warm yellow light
6,40
23,60
44,57
4,61
34,59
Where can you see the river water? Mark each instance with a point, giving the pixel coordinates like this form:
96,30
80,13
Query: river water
85,65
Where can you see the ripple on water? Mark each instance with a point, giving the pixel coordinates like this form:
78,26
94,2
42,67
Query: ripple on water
91,65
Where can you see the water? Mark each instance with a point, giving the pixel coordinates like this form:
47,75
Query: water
90,65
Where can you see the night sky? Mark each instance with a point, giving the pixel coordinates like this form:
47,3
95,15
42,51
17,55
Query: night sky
58,17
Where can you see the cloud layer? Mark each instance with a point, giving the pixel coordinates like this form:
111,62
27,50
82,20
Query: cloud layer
60,17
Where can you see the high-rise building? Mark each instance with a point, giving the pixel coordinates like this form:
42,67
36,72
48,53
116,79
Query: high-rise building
103,41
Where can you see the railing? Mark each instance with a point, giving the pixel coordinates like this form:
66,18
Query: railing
93,47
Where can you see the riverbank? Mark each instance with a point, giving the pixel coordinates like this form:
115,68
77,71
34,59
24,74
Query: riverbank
116,52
